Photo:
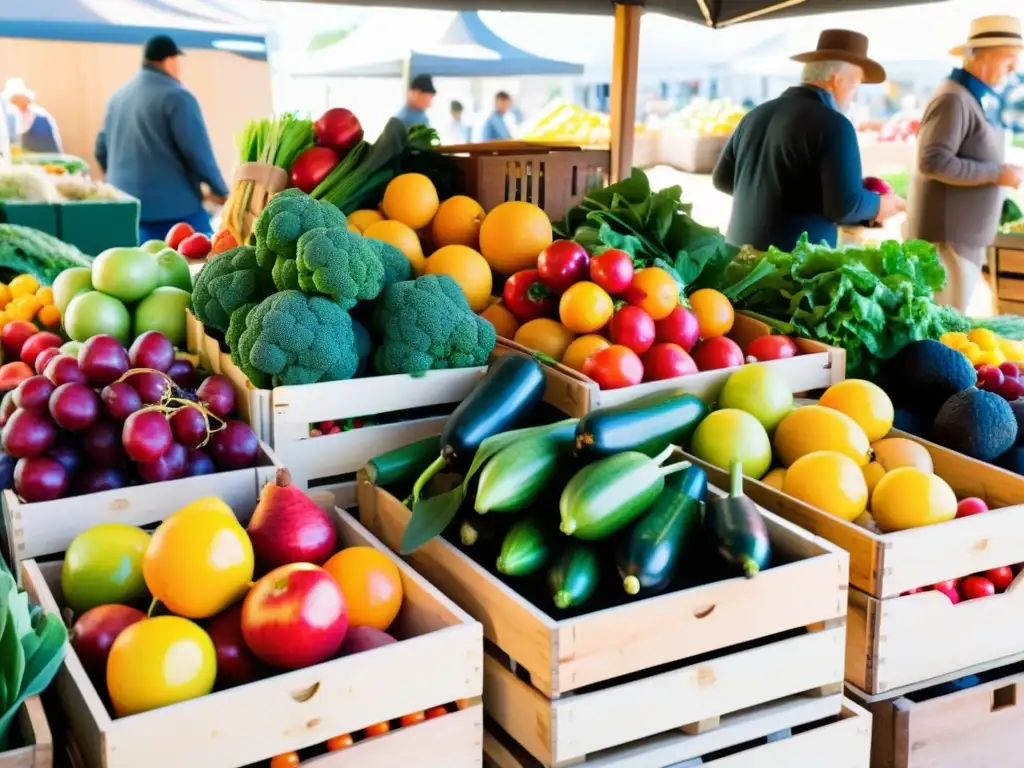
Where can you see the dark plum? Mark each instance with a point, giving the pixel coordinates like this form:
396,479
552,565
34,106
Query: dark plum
43,358
28,433
31,349
67,451
33,394
188,426
102,443
199,463
7,407
146,436
183,373
63,369
170,466
13,336
151,386
40,478
103,360
219,395
152,350
120,400
74,407
96,479
234,447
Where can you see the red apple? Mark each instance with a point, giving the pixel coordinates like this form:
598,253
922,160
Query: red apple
236,664
295,616
680,327
972,505
717,352
95,631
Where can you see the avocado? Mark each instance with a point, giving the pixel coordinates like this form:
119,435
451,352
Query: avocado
977,423
924,374
911,422
1017,406
1012,460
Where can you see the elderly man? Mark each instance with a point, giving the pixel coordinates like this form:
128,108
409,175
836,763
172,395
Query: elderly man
956,188
793,164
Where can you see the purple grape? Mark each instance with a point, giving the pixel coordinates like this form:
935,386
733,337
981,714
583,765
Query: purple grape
121,400
1010,370
234,447
102,443
183,373
67,452
170,466
199,463
989,377
98,479
188,426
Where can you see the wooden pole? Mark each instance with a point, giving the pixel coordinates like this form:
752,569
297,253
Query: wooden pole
625,62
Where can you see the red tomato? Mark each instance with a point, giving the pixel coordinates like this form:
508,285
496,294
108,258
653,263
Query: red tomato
974,587
338,743
436,712
951,593
377,729
632,327
1001,577
285,760
612,270
561,264
614,367
680,327
176,235
771,348
667,361
526,297
412,719
717,352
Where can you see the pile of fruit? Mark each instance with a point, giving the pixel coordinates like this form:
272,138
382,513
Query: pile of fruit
25,299
983,347
103,417
562,122
717,117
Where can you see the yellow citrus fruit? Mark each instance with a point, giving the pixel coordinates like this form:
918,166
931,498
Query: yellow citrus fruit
458,222
816,428
363,219
411,199
909,498
504,322
354,229
775,478
954,339
546,336
983,337
585,308
895,452
467,268
49,316
829,481
873,472
865,403
45,295
582,349
23,285
5,295
199,560
513,235
159,661
403,238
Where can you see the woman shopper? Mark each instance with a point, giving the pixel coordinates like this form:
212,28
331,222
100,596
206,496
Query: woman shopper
36,130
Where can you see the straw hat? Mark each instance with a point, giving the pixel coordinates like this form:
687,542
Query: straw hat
15,86
992,32
848,46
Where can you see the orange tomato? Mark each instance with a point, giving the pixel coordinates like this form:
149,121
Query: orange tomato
582,349
544,335
412,719
378,729
49,316
504,322
285,760
339,742
371,584
713,311
436,712
585,308
654,291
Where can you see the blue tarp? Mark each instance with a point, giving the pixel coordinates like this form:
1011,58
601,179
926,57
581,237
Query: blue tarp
192,23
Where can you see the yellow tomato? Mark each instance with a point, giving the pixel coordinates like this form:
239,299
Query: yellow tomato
983,337
504,322
45,295
954,339
713,311
989,357
549,337
5,295
656,293
972,352
23,285
585,308
582,349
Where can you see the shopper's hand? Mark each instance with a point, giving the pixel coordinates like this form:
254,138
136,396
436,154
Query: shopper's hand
1010,176
890,205
216,199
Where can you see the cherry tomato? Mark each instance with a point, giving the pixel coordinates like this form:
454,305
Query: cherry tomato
680,327
526,297
436,712
713,311
1001,577
667,361
974,587
972,505
377,729
612,270
717,352
771,348
950,592
655,291
462,703
615,367
285,760
582,349
563,263
339,742
585,308
412,719
632,327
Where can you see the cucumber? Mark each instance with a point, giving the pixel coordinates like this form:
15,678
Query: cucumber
609,494
524,550
518,474
574,576
647,425
737,529
648,558
404,464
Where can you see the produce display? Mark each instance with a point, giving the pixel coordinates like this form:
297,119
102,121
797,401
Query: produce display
563,123
715,117
52,179
24,250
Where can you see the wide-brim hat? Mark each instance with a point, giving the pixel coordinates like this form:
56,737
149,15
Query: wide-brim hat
16,86
992,32
845,45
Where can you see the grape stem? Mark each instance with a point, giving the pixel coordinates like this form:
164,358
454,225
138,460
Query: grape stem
169,404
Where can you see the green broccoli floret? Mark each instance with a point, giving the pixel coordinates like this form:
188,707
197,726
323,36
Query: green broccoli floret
340,265
286,218
396,265
226,282
426,324
233,337
364,346
292,338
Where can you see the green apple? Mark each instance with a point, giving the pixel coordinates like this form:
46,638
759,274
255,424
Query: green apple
730,435
760,391
153,246
92,313
103,565
164,311
69,284
71,348
127,274
173,270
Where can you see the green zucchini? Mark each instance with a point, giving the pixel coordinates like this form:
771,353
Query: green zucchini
518,474
574,576
649,556
647,425
737,529
609,494
524,550
403,465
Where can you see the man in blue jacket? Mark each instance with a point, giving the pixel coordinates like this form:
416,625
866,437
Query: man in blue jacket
793,164
155,147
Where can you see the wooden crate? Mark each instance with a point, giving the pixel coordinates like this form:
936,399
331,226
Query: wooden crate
282,416
893,639
1007,256
439,662
46,528
690,152
35,735
784,733
555,685
816,367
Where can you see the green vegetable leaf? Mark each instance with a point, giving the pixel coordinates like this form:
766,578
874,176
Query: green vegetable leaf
13,668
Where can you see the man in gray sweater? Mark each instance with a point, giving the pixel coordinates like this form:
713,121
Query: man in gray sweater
956,188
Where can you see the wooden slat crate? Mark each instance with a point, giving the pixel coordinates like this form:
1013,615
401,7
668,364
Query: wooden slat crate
894,639
438,661
34,732
556,685
816,367
1007,256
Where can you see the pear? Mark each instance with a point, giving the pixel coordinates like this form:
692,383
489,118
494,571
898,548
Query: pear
289,527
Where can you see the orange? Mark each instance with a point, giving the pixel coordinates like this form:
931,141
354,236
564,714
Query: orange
864,402
504,322
363,219
354,229
713,312
654,291
403,238
49,316
458,222
411,199
586,307
371,584
544,335
513,235
467,268
582,349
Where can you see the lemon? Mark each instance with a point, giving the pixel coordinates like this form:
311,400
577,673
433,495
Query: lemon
873,472
983,337
865,403
910,498
816,428
829,481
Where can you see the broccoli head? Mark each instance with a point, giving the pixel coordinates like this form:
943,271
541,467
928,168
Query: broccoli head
427,324
226,282
396,265
292,338
340,265
233,337
287,216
